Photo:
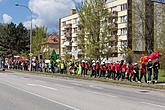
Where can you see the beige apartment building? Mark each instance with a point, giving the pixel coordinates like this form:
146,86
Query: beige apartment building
137,32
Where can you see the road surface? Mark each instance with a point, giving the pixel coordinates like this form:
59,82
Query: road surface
33,92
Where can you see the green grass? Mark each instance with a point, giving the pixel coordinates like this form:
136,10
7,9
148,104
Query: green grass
162,76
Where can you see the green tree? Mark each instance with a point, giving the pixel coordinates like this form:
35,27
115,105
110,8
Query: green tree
94,31
162,42
14,38
39,35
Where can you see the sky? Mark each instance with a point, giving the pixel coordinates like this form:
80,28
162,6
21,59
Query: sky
45,12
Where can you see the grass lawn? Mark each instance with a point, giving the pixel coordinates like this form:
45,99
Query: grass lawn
162,76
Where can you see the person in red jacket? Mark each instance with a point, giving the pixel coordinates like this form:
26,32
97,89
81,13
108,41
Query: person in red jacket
143,72
97,68
109,70
83,68
123,67
113,71
103,69
86,68
116,69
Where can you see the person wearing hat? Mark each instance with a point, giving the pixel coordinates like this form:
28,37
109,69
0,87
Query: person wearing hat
93,70
156,67
149,68
103,69
97,68
93,61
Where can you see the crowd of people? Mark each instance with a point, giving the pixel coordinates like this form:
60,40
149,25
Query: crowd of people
120,70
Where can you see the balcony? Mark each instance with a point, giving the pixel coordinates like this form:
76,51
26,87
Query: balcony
113,25
68,26
114,14
68,35
69,44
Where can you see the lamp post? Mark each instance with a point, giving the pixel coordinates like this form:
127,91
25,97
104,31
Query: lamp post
21,5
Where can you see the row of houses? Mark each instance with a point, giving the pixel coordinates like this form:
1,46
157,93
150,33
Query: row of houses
137,23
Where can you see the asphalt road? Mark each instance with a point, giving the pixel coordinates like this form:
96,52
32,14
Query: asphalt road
32,92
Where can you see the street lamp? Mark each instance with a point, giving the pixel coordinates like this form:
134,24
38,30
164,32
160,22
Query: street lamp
21,5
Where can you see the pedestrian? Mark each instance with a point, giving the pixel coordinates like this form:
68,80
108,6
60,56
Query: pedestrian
120,69
86,67
127,71
83,68
143,72
136,72
123,70
156,67
103,70
131,69
93,70
149,68
116,70
109,70
97,68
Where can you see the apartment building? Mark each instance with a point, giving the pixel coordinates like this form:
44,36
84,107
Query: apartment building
134,25
68,35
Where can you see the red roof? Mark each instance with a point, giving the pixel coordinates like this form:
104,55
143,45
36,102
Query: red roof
53,39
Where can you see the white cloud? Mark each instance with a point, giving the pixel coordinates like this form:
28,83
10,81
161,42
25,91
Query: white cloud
7,18
49,11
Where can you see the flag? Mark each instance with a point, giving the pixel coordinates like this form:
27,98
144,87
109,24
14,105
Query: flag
54,56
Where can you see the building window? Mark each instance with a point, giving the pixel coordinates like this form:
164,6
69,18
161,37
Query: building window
123,43
75,39
123,19
64,23
75,21
123,7
113,9
123,31
75,30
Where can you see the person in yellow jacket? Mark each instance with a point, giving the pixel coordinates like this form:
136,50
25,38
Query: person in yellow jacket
79,69
62,67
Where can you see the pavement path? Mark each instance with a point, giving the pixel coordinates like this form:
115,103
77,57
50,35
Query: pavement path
33,92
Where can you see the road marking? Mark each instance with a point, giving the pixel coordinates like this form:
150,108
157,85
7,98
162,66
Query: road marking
102,94
59,85
161,106
77,84
96,87
35,94
37,85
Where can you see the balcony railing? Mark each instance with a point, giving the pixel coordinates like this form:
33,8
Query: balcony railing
114,14
68,26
